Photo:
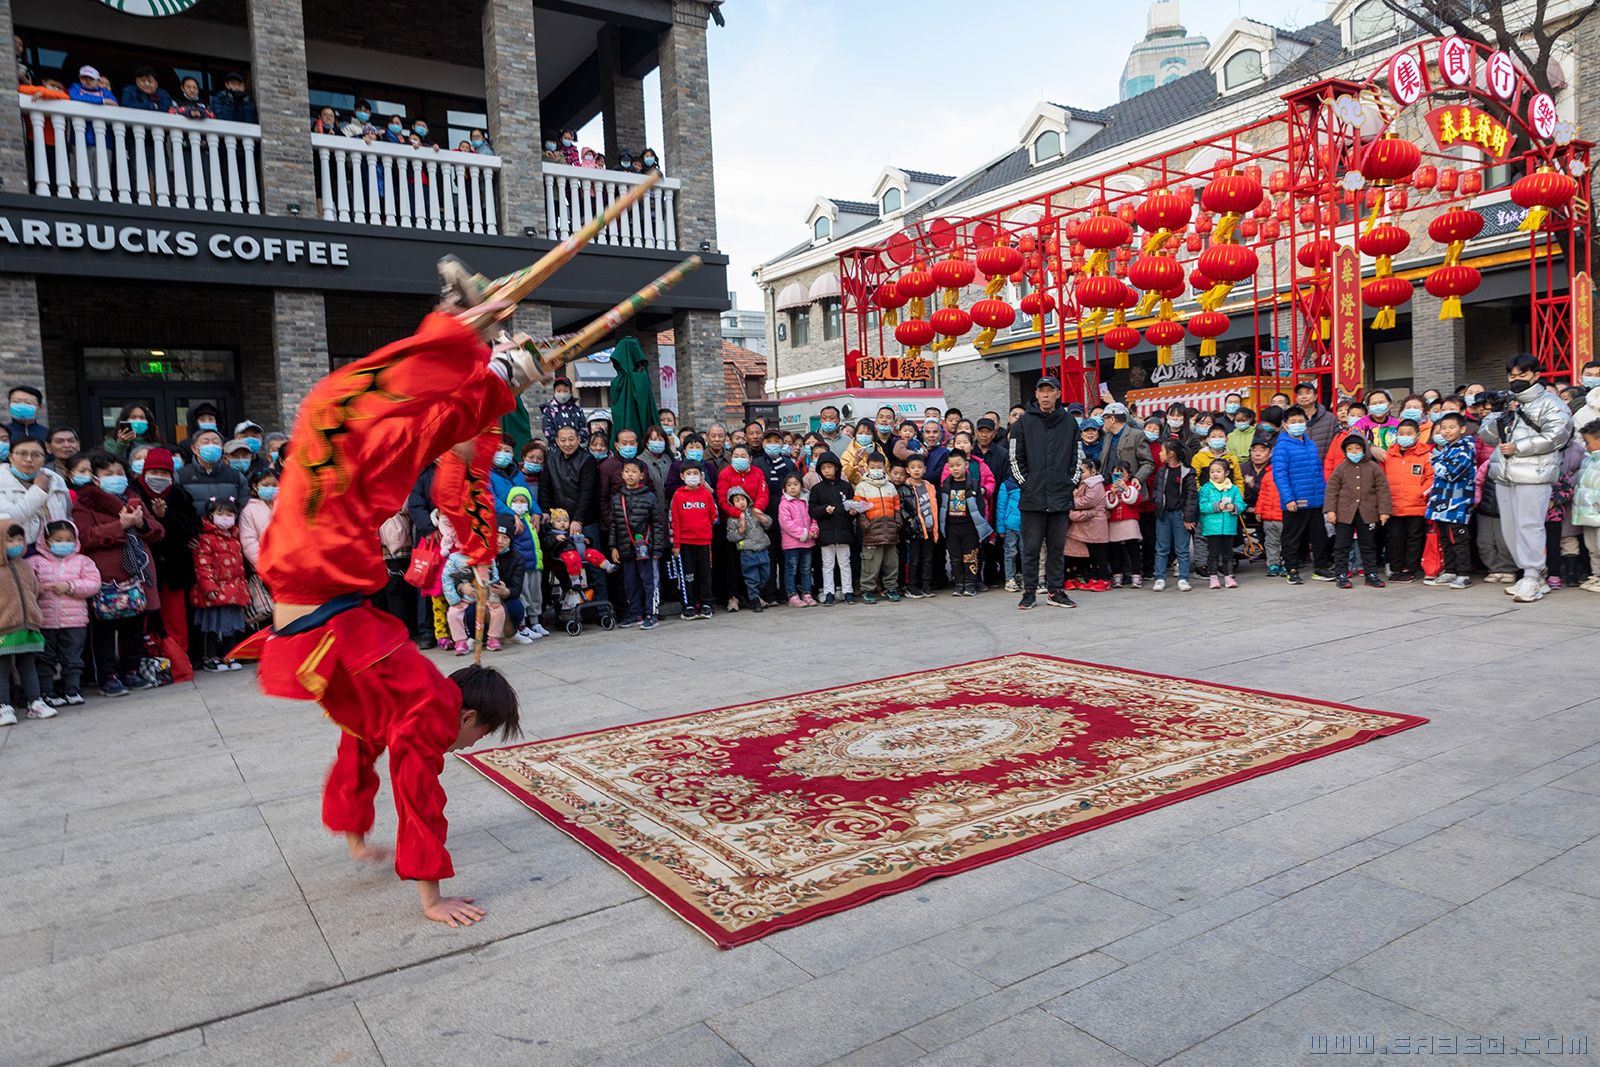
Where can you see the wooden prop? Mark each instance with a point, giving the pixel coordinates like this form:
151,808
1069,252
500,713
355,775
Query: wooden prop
573,347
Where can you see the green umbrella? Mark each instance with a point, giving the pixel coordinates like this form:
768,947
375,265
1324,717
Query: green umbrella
633,406
517,427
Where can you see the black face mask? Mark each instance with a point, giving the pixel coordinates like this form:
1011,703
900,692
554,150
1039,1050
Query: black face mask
1521,384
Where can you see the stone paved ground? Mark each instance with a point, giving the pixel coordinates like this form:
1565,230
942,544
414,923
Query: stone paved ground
170,896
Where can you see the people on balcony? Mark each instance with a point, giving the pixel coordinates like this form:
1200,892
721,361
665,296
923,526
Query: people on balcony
90,88
234,102
569,148
649,162
146,94
24,72
188,103
360,123
479,143
419,136
327,121
552,152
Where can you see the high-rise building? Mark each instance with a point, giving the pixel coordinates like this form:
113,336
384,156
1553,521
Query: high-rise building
1166,54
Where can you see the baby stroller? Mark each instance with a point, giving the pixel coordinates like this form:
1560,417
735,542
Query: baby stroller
587,602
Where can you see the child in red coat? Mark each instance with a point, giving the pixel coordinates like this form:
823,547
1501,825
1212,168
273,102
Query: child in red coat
219,595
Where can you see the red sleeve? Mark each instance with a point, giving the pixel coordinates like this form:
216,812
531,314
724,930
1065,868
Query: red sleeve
415,762
720,493
763,495
465,496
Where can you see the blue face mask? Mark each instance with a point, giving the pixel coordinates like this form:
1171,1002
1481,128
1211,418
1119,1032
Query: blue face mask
62,548
502,459
884,429
115,484
253,444
1435,416
21,477
864,440
24,412
177,464
774,451
1355,457
136,466
476,142
206,424
1590,382
138,426
830,427
694,453
363,116
656,447
1218,445
1230,408
209,453
1296,429
741,463
240,465
1378,409
1411,413
81,480
530,466
1405,440
269,493
420,130
599,457
395,128
5,449
13,551
627,451
1152,435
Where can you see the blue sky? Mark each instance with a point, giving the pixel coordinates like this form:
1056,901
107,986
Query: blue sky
815,97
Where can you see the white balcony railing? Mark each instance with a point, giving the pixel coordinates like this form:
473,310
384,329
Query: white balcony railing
141,157
385,184
575,195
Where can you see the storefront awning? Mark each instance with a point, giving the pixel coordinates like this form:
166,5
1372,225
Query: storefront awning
826,285
792,295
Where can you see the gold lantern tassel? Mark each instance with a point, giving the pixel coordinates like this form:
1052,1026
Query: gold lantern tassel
1535,219
1093,320
1450,309
917,307
1208,347
1384,267
1038,324
1098,261
1213,297
1166,310
891,317
1384,320
1157,240
984,339
1121,362
1146,302
1164,356
996,283
1222,232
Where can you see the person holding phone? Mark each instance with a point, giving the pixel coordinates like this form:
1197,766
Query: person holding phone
134,426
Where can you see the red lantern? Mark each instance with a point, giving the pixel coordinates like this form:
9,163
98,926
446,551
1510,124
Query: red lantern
1100,291
1072,230
1155,273
1016,277
1037,304
1269,230
889,297
917,284
1000,259
1447,180
1279,182
1457,224
953,273
1103,232
1249,228
951,322
1027,243
1542,193
914,333
1163,210
1425,177
1308,214
1285,209
1208,326
1317,255
1389,159
1164,335
1383,241
1372,195
1472,183
993,314
1202,225
1264,209
1450,283
1198,281
1127,213
1253,172
1193,242
1119,339
1330,215
1232,194
1228,263
1385,294
1052,246
1398,200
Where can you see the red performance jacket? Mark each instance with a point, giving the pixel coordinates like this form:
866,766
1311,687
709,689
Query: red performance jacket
693,511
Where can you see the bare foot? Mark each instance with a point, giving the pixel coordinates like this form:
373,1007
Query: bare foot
455,911
362,852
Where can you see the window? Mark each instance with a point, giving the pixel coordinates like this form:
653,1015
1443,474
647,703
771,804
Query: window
1371,19
822,229
832,319
1242,69
799,327
891,201
755,386
1046,146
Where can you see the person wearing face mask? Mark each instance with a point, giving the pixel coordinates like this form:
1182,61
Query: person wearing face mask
1377,425
552,151
1302,487
155,486
1524,465
1358,502
257,514
570,155
117,532
562,409
692,524
25,402
524,527
1175,427
360,122
255,439
1045,465
220,594
133,427
862,445
1321,424
21,631
504,473
571,481
234,103
203,416
213,475
835,434
777,468
1243,434
1588,381
395,131
742,472
67,580
32,494
649,162
1408,466
611,470
657,457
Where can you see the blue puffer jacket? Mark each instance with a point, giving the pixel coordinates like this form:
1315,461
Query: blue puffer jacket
1297,471
1008,507
1455,477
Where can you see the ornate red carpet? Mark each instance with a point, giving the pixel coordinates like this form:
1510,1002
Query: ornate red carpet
749,819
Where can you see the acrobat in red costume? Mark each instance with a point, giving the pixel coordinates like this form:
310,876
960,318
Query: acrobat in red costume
362,437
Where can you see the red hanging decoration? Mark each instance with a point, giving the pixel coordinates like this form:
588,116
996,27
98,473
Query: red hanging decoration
951,322
1389,159
1208,326
914,333
1164,334
1542,193
1120,339
1386,294
1450,282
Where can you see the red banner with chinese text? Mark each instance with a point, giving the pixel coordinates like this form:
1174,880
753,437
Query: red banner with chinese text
1582,320
1348,361
1462,124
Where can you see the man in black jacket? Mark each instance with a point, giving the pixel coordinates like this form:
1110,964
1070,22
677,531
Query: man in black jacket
1044,461
572,481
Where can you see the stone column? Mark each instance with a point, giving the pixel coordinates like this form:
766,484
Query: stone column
511,85
299,347
21,348
533,319
278,83
686,123
701,386
1438,349
13,146
621,98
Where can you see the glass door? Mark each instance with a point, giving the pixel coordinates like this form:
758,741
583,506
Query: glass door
172,382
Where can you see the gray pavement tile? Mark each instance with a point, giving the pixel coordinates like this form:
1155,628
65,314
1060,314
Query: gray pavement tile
1147,834
693,1046
1161,1005
92,1003
975,1015
1583,780
1034,1037
1010,945
931,910
887,1052
1323,867
337,1037
1187,924
1430,822
825,1018
27,949
1186,877
1320,1020
1457,863
1334,922
156,1050
1576,870
1560,818
1517,960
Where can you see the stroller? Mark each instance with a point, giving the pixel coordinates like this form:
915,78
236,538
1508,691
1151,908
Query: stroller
579,601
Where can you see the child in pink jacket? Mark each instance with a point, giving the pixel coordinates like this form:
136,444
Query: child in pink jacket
799,537
67,580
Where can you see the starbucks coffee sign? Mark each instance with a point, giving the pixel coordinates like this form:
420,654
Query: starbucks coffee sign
150,8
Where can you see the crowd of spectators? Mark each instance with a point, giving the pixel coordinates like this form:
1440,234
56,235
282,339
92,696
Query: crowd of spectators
564,149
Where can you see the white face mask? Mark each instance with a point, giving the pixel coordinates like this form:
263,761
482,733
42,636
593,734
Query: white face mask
563,397
691,480
519,508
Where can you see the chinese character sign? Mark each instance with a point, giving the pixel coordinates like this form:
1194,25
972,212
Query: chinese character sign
1465,125
1582,319
893,369
1405,78
1502,75
1455,61
1348,361
1542,115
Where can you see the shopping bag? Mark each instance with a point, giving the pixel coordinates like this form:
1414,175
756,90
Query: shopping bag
427,563
1432,554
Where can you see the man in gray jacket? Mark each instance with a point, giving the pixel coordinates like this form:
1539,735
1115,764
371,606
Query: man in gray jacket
1125,443
1525,464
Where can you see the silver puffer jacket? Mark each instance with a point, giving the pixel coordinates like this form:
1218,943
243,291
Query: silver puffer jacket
1540,428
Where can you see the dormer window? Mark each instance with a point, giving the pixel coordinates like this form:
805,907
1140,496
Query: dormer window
1046,146
1241,69
892,201
822,229
1371,19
